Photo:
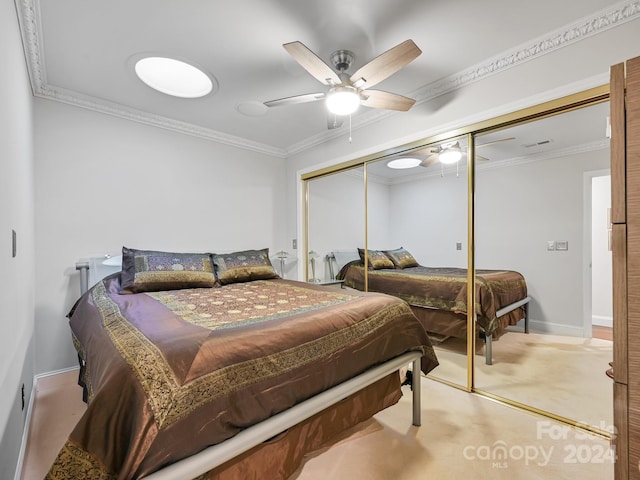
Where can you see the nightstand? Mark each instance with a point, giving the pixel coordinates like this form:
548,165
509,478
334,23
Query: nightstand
331,282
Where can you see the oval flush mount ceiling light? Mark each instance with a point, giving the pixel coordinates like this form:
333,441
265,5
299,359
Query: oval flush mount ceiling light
404,162
173,77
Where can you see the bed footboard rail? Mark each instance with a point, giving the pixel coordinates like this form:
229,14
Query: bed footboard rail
207,459
488,341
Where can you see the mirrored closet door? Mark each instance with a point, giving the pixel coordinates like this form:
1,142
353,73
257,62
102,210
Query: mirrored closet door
528,216
427,216
335,222
542,193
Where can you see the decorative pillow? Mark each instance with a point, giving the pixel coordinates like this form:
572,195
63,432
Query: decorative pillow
149,271
377,259
401,258
244,266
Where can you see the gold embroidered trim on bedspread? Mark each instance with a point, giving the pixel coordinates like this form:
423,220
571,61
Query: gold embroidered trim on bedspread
81,463
170,401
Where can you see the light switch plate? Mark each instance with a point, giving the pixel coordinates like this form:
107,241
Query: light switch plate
551,245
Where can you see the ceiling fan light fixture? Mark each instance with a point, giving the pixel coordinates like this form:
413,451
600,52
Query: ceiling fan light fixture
173,77
404,162
450,155
343,100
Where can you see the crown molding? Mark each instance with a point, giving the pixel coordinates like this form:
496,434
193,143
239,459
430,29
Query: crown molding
117,110
30,27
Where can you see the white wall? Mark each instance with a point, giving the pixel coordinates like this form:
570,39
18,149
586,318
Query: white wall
333,226
429,217
601,261
337,216
103,182
16,213
519,209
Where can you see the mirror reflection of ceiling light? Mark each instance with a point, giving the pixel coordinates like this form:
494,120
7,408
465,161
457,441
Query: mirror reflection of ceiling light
404,162
450,154
343,100
173,77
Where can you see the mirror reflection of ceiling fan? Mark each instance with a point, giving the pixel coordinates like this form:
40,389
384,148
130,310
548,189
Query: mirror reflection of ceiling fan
347,92
451,152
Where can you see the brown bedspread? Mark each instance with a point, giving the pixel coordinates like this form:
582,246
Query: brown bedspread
170,373
444,288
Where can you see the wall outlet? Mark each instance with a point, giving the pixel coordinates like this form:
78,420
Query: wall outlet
551,245
459,246
562,245
295,243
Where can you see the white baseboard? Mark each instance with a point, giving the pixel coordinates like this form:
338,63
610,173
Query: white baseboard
602,321
27,423
56,372
25,432
539,326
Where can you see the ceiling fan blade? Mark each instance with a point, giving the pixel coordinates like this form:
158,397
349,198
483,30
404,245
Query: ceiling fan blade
430,160
478,157
386,100
312,63
334,121
495,141
386,64
308,97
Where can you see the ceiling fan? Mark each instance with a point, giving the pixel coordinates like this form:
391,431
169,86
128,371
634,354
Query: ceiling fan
451,152
347,92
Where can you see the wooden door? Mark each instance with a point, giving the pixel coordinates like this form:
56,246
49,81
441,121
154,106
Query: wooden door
625,177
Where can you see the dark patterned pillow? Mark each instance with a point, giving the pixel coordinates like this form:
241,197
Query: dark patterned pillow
149,271
244,266
401,258
377,259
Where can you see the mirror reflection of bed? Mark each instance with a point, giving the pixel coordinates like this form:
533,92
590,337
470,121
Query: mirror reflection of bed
533,193
438,295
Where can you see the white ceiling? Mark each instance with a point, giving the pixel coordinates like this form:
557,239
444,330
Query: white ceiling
81,52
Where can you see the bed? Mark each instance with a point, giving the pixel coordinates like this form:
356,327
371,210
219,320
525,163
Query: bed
205,366
438,295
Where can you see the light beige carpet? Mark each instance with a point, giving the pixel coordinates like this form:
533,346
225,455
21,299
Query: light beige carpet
559,374
462,436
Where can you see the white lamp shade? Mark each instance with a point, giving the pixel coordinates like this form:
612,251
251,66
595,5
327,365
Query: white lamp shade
343,100
450,155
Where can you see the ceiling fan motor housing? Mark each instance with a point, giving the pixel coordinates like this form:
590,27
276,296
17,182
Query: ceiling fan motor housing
342,60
